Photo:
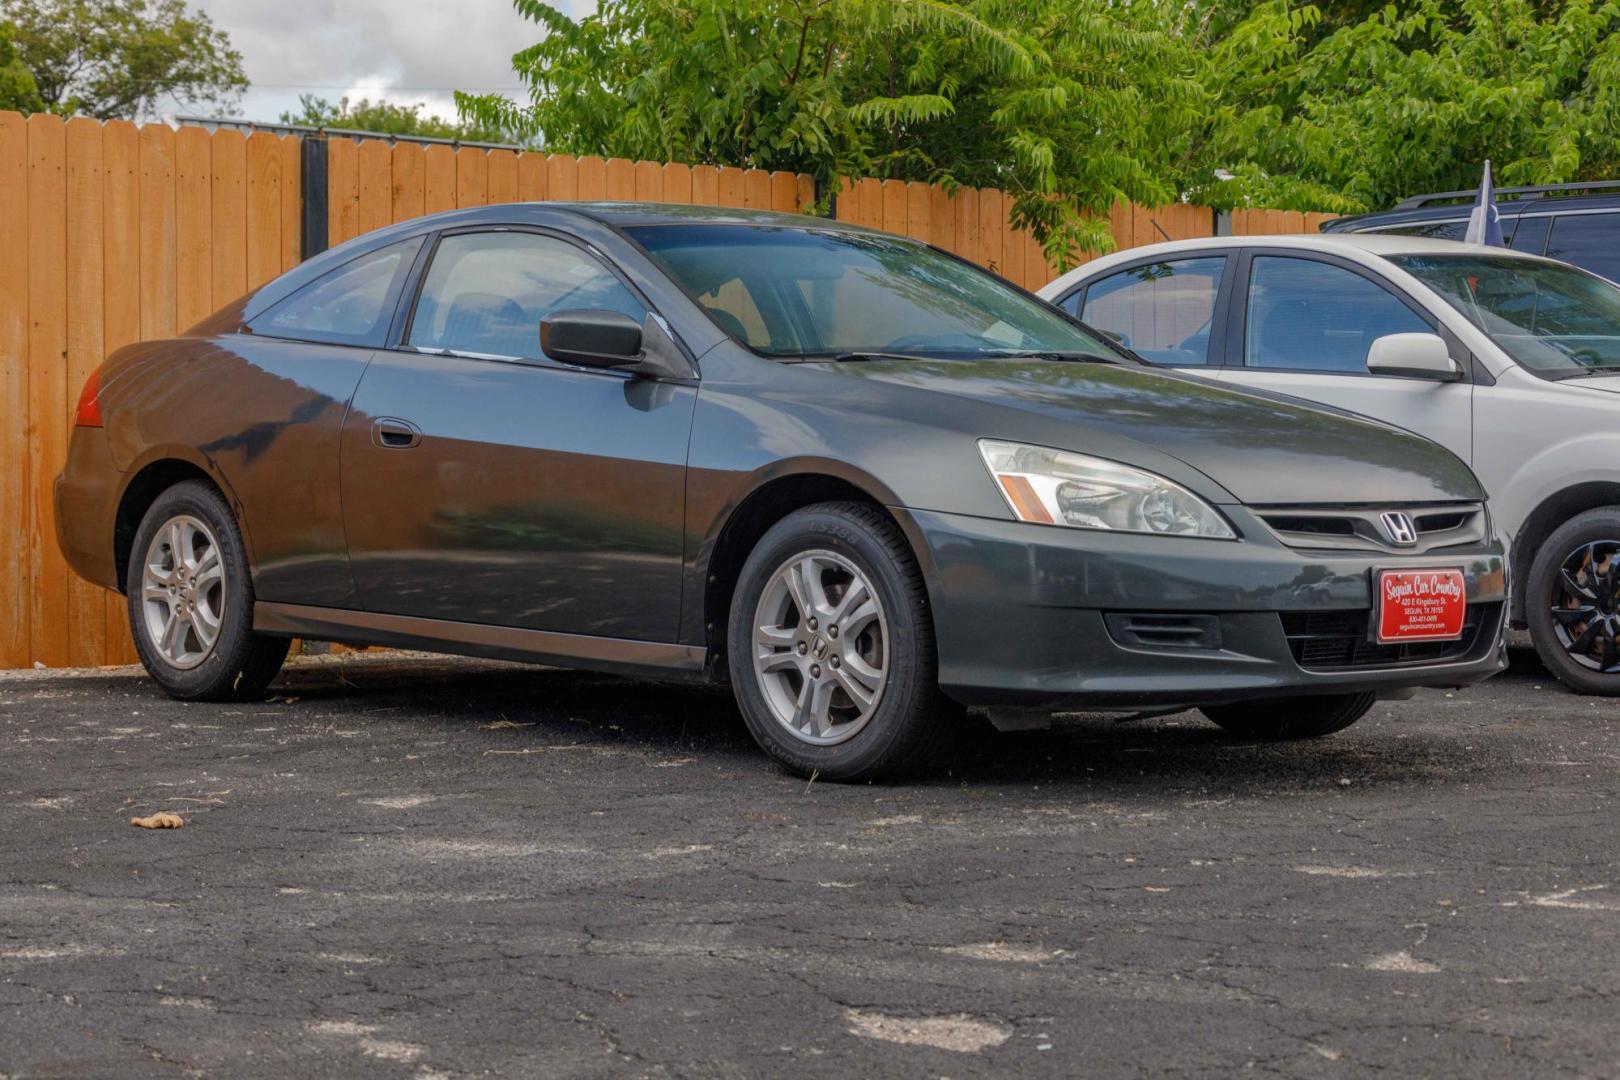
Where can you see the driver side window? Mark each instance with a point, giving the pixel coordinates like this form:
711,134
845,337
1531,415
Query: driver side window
486,293
1162,311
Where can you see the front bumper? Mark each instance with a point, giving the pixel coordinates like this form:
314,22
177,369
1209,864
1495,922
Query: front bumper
1021,614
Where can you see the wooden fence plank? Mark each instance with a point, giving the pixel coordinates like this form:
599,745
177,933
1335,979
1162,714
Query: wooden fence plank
264,207
894,207
472,177
847,200
785,192
342,190
16,608
677,184
919,212
621,179
47,381
87,616
292,202
991,215
941,218
965,204
121,164
503,177
705,185
438,179
562,177
228,224
806,186
375,184
157,232
409,182
193,225
757,189
649,182
531,177
592,179
731,186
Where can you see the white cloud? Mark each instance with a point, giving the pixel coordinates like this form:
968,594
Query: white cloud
404,51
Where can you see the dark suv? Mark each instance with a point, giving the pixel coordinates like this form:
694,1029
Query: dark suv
1577,223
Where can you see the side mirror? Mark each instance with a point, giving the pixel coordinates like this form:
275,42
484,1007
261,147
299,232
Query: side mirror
596,339
1416,356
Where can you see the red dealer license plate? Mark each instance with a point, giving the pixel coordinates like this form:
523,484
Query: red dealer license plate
1420,605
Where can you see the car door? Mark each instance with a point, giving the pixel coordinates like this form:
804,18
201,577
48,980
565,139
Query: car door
1303,324
484,483
1168,310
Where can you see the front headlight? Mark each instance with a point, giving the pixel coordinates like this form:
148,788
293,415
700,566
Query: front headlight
1056,487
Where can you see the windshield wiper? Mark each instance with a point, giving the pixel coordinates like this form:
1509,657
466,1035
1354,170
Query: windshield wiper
867,354
1056,354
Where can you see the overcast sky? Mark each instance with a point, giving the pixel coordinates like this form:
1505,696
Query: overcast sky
402,50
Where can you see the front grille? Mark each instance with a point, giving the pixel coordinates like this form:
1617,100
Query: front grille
1355,528
1335,640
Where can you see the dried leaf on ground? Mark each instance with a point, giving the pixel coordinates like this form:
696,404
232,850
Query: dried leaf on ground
160,820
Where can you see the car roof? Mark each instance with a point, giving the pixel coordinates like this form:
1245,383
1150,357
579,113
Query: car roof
632,214
1377,244
1510,202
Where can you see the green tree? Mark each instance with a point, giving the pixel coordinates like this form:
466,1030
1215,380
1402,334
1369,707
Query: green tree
1066,106
385,118
1415,97
17,89
120,58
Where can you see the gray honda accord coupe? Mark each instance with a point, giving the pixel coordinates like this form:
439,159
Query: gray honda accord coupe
862,481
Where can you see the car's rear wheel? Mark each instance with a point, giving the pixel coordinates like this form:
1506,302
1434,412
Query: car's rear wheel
1573,602
191,600
1282,719
831,647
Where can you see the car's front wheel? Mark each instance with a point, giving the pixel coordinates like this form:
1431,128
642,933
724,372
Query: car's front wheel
1281,719
191,600
831,647
1573,602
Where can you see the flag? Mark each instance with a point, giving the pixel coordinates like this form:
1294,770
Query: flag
1484,223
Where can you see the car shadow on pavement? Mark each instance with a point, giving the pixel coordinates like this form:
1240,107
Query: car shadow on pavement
530,707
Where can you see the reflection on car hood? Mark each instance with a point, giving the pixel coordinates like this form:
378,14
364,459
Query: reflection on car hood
1611,383
1264,448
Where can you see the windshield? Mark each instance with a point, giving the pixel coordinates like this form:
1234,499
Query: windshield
1553,319
803,293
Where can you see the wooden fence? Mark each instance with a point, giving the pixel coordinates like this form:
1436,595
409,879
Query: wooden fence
112,233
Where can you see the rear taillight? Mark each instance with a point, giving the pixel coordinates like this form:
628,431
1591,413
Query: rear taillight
89,412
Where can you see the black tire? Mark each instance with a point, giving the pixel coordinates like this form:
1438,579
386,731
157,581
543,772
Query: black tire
1545,589
911,720
1283,719
240,663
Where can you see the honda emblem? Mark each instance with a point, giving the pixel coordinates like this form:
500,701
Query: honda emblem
1401,529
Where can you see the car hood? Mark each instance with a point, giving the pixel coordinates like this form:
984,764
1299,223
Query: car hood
1611,383
1264,448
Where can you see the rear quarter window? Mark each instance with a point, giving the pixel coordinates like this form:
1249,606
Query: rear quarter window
350,305
1590,241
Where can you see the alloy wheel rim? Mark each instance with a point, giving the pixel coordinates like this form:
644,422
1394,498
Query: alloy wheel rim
183,592
1586,605
821,647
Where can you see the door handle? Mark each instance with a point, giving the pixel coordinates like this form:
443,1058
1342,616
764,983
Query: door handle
392,433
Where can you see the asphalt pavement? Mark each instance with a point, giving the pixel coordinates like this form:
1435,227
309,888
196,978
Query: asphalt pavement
413,867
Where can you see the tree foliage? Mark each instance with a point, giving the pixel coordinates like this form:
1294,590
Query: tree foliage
1064,107
18,91
385,118
115,59
1070,105
1414,98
